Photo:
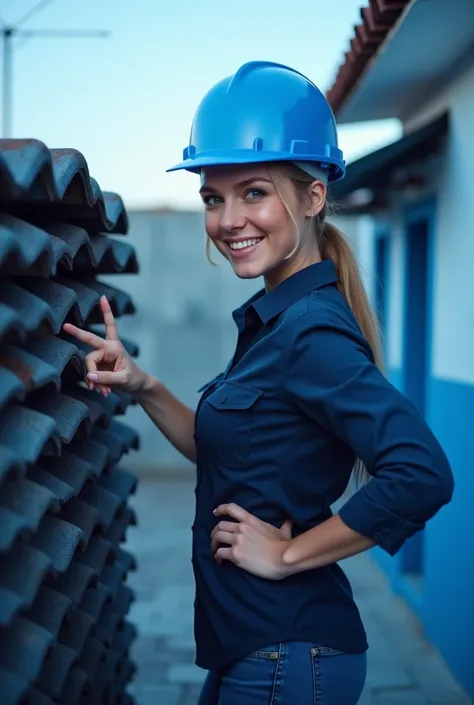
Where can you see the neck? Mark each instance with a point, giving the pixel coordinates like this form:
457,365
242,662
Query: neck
287,268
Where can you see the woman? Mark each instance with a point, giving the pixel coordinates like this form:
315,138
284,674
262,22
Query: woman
301,405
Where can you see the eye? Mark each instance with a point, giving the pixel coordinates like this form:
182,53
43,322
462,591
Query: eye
211,200
254,194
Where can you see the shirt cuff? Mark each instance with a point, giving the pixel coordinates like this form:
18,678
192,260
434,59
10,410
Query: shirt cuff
368,518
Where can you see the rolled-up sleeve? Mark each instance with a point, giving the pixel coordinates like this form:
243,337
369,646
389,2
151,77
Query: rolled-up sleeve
330,375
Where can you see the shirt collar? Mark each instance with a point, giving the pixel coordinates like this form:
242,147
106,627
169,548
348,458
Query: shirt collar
268,305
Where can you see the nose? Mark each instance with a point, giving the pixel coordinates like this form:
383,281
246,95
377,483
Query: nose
232,217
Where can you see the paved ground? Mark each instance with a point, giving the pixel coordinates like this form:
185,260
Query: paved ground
403,668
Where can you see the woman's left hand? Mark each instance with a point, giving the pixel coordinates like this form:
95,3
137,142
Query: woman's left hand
250,543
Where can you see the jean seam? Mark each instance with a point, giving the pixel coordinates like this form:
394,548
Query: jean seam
316,679
276,678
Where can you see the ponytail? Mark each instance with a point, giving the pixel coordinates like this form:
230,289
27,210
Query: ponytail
334,246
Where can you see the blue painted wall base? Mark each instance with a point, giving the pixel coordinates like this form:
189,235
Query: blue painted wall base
443,596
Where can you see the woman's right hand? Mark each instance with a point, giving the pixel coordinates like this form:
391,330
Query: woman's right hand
108,365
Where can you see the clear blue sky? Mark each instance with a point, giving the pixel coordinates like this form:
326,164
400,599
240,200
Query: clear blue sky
127,102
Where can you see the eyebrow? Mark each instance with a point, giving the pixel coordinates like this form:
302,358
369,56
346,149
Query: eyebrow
246,182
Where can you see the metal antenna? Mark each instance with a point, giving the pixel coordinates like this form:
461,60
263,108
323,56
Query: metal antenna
8,33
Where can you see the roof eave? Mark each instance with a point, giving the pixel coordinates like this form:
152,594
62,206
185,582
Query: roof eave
380,21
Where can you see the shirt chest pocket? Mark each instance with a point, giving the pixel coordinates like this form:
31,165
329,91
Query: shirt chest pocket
226,422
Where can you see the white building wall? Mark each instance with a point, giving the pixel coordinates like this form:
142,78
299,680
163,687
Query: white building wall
453,323
394,334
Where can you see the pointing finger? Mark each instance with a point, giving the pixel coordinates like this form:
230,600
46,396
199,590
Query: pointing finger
111,332
85,336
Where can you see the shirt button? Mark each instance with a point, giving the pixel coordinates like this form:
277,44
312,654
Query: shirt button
222,400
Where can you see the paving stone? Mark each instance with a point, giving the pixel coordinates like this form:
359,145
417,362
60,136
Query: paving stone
183,673
191,694
158,695
399,697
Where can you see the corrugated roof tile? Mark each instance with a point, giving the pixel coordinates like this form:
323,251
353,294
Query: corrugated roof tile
55,669
106,503
71,416
70,468
92,656
60,489
74,634
124,637
55,352
75,581
23,647
83,515
10,463
116,531
22,571
49,609
10,604
106,628
24,247
58,539
107,674
23,311
93,600
12,327
94,453
36,697
11,387
14,687
123,601
31,370
23,504
97,553
119,481
107,406
112,577
32,175
75,687
28,433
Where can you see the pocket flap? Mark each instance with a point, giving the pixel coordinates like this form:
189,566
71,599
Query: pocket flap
234,396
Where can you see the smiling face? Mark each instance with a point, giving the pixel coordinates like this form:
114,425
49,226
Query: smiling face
249,224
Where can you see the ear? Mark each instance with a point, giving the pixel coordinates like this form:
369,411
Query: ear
317,198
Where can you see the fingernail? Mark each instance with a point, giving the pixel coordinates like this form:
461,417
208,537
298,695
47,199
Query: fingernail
93,376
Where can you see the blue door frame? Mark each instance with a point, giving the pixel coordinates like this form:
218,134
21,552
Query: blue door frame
382,281
419,223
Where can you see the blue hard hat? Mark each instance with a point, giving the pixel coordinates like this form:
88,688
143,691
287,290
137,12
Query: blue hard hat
264,112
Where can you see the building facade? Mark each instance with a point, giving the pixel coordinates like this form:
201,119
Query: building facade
415,61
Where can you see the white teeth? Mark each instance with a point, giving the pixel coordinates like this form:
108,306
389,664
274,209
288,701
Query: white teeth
244,243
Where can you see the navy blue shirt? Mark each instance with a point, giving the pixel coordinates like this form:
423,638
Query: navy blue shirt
278,433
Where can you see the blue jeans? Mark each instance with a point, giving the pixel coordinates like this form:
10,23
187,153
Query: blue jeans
290,673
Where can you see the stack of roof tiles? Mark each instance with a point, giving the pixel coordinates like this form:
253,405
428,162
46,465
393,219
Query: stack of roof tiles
64,506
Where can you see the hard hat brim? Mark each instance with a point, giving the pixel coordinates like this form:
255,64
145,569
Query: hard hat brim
336,172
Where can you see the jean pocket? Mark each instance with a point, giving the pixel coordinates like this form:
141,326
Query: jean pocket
338,676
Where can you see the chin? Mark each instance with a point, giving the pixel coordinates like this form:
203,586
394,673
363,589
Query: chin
248,270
